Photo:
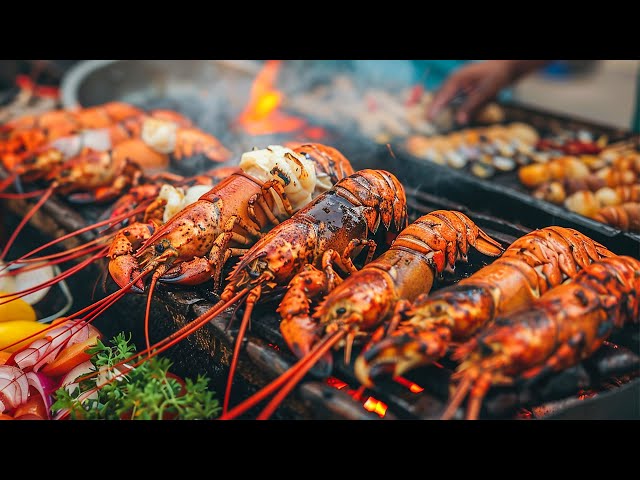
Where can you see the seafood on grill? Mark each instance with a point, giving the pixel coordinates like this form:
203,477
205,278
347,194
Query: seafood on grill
152,203
559,168
559,192
587,183
101,176
335,227
196,243
31,131
531,266
94,176
488,149
625,216
383,288
564,326
200,238
378,292
588,203
155,129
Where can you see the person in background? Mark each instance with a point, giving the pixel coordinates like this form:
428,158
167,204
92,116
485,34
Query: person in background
481,82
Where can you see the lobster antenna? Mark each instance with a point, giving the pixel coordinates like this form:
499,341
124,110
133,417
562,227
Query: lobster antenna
9,297
4,184
40,264
20,196
96,309
301,372
23,222
236,350
476,397
112,221
270,388
152,286
457,397
85,248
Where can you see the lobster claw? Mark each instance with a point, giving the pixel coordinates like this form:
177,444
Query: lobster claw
301,334
195,272
123,269
400,352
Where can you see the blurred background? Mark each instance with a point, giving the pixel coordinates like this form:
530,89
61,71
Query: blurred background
602,91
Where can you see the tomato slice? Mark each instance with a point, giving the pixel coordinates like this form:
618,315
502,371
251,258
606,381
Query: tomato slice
6,417
70,357
33,409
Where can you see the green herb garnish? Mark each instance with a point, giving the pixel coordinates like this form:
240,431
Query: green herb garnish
146,392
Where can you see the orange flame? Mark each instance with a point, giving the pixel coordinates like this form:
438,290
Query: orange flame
261,115
376,406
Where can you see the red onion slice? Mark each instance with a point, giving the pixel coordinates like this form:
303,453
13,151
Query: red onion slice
14,386
70,378
41,383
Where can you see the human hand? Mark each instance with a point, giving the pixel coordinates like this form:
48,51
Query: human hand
480,82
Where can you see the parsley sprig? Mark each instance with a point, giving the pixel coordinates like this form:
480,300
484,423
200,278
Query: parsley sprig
146,392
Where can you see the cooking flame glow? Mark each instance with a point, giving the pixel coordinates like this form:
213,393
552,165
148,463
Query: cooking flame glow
261,115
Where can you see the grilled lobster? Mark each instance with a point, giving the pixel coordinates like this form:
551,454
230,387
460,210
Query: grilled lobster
377,292
564,326
532,265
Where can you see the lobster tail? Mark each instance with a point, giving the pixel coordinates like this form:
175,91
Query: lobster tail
327,160
381,192
625,217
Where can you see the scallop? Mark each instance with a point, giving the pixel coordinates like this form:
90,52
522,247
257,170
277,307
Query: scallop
504,164
482,170
505,149
455,159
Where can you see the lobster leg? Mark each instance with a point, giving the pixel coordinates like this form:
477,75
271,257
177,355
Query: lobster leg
298,328
200,269
563,358
259,199
279,189
346,262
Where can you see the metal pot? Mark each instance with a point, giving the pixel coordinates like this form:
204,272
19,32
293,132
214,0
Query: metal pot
145,82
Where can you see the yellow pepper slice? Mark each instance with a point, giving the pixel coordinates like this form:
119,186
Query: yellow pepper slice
16,309
16,330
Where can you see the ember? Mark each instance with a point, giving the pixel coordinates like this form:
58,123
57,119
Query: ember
376,406
413,387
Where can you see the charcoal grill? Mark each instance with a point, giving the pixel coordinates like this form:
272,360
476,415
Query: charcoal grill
608,380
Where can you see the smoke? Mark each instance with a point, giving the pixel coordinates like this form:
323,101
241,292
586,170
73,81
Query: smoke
334,95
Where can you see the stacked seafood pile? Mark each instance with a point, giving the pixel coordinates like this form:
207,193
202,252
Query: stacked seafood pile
337,249
603,186
484,151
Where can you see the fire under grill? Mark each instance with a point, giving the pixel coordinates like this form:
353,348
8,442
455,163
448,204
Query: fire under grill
604,386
